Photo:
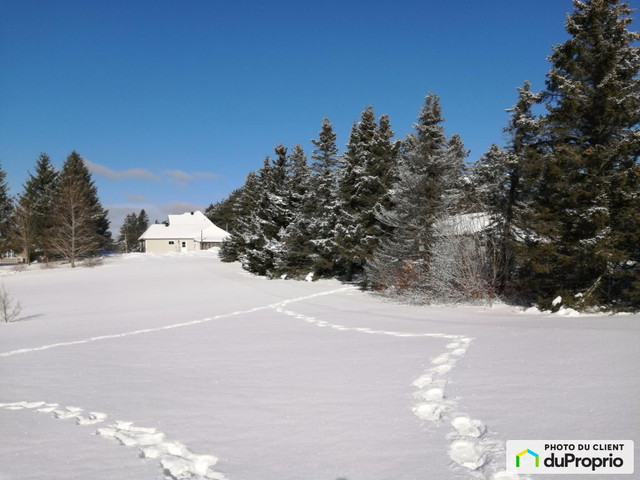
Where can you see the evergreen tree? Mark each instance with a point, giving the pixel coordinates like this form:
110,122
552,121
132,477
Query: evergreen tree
324,183
22,223
79,223
242,205
223,213
429,187
261,232
142,223
35,207
363,187
297,255
132,228
6,212
126,238
585,227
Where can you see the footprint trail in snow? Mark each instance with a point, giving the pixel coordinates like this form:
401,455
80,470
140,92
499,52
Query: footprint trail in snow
471,445
175,458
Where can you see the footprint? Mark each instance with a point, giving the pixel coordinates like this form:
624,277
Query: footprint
441,359
465,453
92,418
467,427
429,411
458,352
434,394
48,408
67,412
443,369
422,381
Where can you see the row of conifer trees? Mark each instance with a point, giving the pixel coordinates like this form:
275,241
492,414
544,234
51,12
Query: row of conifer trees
58,214
553,212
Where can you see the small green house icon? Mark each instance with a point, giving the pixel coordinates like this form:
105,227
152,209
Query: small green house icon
530,452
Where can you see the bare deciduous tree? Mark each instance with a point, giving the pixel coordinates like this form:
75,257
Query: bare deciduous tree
462,267
10,309
73,235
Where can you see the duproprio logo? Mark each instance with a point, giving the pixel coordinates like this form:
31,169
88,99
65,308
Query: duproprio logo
530,452
600,457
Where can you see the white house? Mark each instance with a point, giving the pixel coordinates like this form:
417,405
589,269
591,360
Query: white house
189,232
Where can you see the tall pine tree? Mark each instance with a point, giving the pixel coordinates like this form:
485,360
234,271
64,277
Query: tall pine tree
262,231
296,257
6,213
364,184
429,187
35,207
324,187
585,242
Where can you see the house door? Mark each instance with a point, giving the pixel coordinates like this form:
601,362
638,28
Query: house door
183,246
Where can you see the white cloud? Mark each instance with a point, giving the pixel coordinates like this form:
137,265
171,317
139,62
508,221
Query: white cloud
132,197
136,173
179,177
183,178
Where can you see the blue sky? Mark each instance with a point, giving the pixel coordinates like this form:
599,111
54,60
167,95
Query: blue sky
173,103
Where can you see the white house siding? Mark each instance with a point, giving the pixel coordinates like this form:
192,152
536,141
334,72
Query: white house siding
165,246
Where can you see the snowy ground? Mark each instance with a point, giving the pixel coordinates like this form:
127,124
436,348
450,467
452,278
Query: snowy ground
182,367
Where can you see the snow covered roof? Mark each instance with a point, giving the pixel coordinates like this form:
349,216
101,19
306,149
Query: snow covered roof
192,225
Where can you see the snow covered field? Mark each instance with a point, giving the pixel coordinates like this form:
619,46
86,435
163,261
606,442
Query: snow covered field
183,367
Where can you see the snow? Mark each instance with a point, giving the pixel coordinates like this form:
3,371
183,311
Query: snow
183,367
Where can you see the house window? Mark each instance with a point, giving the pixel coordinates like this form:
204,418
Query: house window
184,244
171,242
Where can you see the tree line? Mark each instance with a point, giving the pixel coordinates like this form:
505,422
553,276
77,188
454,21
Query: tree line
58,214
555,211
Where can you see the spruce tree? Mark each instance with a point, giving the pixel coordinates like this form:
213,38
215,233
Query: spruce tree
429,187
132,228
142,223
262,230
22,223
296,257
222,213
35,207
6,212
243,204
126,240
364,186
324,187
585,224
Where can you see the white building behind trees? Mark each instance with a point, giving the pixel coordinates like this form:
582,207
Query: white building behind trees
189,232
